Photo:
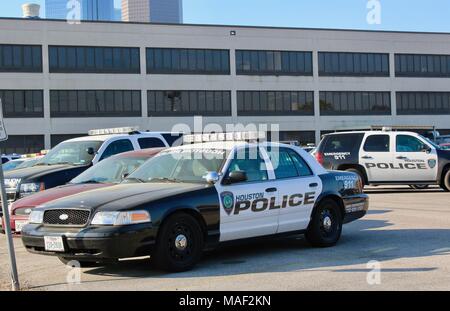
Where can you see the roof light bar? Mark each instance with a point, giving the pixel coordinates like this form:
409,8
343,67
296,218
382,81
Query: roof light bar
230,136
117,130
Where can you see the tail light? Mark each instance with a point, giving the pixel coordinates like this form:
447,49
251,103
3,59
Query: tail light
319,157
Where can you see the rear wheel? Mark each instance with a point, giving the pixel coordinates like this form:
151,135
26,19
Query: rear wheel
326,224
445,184
179,245
83,264
419,187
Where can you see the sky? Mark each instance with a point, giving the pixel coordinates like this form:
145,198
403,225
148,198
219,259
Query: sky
404,15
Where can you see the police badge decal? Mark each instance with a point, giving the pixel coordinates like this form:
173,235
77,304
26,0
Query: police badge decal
432,163
227,199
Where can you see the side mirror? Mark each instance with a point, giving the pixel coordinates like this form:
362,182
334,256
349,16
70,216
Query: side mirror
125,175
235,177
90,151
211,177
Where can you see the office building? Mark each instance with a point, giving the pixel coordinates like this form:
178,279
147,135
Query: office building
155,11
92,10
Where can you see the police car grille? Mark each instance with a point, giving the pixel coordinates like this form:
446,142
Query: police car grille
74,217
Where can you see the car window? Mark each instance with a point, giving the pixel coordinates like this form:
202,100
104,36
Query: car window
116,147
282,163
343,143
251,162
150,142
171,138
377,143
406,143
300,164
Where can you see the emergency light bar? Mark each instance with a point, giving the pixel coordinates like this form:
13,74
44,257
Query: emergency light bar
231,136
117,130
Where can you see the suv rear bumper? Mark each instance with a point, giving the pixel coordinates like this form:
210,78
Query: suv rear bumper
356,207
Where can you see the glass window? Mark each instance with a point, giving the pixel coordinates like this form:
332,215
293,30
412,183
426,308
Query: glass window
116,147
422,103
300,164
251,162
22,103
406,143
421,65
353,64
282,163
354,103
377,143
22,144
150,142
20,58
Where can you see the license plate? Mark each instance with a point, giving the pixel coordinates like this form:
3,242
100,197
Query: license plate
20,224
54,243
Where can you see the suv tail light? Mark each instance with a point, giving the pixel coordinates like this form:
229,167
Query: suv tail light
319,157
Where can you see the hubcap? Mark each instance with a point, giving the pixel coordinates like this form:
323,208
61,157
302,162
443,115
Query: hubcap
327,223
181,242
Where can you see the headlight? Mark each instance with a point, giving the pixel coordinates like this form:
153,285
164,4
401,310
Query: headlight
36,217
22,211
31,187
121,218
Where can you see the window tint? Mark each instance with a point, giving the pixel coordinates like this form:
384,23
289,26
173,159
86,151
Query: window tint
424,103
189,103
353,64
282,163
150,142
172,138
377,143
422,65
300,164
342,143
187,61
251,62
95,103
354,103
22,103
251,162
20,58
82,59
275,103
406,143
116,147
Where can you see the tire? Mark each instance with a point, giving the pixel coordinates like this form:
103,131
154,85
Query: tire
320,234
179,244
83,264
356,171
419,187
445,184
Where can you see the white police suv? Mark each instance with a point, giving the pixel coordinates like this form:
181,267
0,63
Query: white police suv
196,196
387,157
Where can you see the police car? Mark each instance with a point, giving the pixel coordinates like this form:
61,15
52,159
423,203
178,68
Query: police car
387,157
193,197
72,157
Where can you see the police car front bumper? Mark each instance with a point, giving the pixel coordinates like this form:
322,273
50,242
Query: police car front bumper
356,207
93,242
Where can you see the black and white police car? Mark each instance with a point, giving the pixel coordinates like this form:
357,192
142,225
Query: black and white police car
387,157
193,197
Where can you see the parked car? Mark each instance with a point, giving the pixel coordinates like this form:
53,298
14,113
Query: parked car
195,197
445,146
72,157
9,157
106,173
22,162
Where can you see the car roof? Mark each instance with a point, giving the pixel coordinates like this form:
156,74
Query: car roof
140,153
109,136
372,132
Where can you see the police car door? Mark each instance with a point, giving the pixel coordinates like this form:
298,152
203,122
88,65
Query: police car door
414,159
375,156
298,188
245,206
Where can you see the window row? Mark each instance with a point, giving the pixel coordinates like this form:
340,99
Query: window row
22,144
187,61
416,65
22,103
273,63
353,64
65,59
95,103
423,103
355,103
189,103
275,103
20,58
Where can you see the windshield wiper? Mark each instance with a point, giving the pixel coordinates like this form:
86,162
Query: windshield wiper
135,178
91,181
165,179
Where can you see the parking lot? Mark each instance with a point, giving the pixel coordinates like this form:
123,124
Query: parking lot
406,231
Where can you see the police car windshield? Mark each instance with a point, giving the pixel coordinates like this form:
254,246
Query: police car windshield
72,153
111,170
431,142
179,165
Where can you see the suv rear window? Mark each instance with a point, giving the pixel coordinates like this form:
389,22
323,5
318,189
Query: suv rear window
335,143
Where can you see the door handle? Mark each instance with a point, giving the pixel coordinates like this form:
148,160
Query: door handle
313,185
401,158
366,157
271,189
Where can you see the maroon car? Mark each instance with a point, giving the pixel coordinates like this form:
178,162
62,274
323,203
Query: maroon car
106,173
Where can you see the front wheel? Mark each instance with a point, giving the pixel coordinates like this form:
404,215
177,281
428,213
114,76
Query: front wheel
445,184
325,227
179,245
419,187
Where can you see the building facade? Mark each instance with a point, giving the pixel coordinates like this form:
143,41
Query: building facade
59,80
91,10
155,11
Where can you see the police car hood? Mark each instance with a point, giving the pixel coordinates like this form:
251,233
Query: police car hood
123,196
37,171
